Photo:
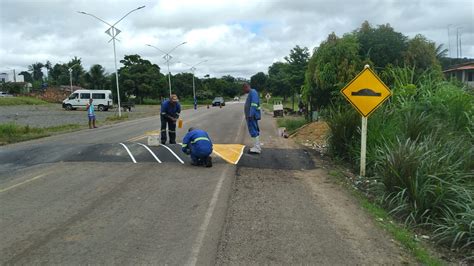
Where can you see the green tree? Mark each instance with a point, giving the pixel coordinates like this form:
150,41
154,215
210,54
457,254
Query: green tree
259,81
78,71
141,78
381,46
422,54
36,70
96,78
59,75
297,64
332,65
278,80
26,76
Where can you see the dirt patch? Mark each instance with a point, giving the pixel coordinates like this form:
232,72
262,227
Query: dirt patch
313,135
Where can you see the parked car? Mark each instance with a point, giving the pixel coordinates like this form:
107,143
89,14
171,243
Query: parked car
80,99
218,101
4,94
236,98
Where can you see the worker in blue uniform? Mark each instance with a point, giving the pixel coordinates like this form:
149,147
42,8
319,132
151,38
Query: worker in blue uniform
198,144
252,115
170,110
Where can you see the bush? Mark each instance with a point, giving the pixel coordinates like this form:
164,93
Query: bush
344,132
425,183
420,153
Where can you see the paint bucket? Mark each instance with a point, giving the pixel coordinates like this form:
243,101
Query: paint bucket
180,123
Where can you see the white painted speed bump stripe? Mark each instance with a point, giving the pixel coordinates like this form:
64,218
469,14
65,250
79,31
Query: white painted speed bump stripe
129,153
151,152
175,155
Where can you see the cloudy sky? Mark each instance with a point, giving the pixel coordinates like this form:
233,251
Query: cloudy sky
236,37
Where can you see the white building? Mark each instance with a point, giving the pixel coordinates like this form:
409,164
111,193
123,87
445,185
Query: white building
8,77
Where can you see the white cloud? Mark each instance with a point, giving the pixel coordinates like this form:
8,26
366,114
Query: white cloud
236,37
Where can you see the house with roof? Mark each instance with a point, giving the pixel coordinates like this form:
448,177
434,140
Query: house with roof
463,73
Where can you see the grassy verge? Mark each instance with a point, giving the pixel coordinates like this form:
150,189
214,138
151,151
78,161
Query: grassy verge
11,133
399,232
291,123
8,101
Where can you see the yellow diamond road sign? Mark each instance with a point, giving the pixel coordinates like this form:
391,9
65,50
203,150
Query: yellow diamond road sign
366,92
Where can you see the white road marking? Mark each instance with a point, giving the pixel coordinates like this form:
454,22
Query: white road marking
24,182
207,219
198,242
146,147
175,155
129,153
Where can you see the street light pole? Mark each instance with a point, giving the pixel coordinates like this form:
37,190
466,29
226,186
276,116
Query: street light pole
168,58
193,70
113,32
70,75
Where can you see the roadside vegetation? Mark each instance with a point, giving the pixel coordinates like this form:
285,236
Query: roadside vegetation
420,149
420,153
11,133
291,123
23,100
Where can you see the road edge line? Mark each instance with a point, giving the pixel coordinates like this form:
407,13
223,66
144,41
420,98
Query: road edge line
200,238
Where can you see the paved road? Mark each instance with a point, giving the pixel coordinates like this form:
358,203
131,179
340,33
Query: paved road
79,198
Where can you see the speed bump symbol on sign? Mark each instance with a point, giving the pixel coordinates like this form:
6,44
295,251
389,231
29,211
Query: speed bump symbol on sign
366,92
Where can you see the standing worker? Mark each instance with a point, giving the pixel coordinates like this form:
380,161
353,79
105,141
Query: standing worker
198,144
170,110
252,115
91,114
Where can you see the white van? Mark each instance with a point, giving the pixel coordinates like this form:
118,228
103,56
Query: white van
80,99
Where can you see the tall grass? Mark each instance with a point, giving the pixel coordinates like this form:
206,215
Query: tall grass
291,123
420,153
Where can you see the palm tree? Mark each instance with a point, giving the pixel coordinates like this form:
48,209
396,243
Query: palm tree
37,73
440,52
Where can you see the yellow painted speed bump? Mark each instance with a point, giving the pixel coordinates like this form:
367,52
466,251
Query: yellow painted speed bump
230,153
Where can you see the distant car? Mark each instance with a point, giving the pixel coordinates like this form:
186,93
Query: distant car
236,98
218,101
4,94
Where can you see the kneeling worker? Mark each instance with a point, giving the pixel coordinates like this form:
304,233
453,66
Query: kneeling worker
198,144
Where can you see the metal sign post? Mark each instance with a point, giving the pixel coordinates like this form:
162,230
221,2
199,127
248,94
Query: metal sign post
363,146
366,92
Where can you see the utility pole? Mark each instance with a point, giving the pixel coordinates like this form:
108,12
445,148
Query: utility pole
457,42
449,41
14,76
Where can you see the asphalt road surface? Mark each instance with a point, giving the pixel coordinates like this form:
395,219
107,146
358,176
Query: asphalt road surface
80,198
